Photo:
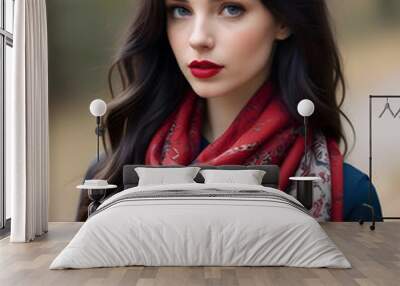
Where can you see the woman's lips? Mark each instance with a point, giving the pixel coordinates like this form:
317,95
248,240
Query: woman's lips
205,72
204,68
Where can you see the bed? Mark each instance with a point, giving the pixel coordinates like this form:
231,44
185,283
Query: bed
201,224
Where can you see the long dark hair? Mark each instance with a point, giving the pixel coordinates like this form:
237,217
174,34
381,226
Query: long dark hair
305,65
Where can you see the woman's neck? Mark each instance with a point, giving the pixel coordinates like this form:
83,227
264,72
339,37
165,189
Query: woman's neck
221,110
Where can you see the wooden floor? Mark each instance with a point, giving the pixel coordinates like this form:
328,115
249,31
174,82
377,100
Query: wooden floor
374,255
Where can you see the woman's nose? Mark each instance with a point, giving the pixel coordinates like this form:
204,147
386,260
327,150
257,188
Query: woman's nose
201,37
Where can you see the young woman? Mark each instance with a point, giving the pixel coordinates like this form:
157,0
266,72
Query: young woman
217,82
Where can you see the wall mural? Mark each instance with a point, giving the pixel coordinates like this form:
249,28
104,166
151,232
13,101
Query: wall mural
185,117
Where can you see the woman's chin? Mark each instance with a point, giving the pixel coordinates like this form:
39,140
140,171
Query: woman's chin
208,89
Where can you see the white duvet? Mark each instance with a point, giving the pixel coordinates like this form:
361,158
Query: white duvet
182,231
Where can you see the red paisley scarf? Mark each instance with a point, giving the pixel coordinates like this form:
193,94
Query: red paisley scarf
262,133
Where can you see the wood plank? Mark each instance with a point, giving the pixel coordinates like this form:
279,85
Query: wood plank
374,255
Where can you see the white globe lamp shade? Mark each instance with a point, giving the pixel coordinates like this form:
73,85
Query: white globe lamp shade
305,107
98,107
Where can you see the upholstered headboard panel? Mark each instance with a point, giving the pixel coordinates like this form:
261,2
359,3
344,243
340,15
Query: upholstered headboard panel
271,177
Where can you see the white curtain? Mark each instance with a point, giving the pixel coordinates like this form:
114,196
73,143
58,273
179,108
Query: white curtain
27,135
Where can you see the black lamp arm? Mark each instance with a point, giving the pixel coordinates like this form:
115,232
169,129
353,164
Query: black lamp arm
307,167
99,132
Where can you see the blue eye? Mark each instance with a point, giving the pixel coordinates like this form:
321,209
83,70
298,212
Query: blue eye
178,11
233,10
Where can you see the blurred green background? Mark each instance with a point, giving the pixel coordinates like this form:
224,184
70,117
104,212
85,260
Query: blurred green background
84,35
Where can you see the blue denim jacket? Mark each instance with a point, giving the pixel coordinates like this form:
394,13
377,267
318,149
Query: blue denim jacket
355,193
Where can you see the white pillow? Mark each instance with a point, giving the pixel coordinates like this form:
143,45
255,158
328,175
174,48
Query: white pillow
169,175
248,177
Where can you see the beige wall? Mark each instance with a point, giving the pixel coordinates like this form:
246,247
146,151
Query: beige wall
83,36
369,38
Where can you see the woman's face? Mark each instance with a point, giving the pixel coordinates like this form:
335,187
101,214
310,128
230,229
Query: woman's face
237,35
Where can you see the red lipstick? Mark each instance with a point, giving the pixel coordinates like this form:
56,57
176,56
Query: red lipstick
204,69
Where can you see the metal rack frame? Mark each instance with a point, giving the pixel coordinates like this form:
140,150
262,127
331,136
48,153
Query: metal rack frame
369,204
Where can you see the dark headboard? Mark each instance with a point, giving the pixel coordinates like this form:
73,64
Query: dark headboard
271,177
